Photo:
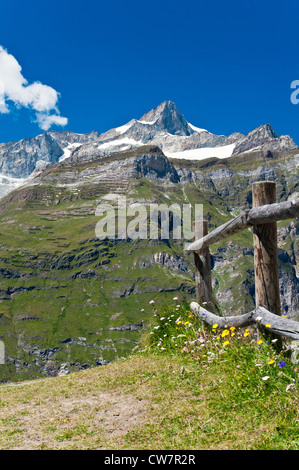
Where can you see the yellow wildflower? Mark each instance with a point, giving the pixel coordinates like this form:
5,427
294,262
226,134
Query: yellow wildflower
215,325
224,333
268,325
259,341
232,328
226,343
246,333
271,362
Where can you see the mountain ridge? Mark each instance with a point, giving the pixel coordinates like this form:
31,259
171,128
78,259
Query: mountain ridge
163,126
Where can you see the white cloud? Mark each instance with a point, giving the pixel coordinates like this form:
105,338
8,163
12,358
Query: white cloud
3,107
45,121
14,88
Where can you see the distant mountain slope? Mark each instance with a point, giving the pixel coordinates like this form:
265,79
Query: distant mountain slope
71,300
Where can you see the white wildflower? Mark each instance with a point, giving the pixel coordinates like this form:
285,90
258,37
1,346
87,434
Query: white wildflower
289,386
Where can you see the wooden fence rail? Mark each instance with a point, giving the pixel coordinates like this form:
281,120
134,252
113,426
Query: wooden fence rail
257,215
271,323
263,218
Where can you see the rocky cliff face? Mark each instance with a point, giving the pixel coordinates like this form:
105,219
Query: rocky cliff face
21,160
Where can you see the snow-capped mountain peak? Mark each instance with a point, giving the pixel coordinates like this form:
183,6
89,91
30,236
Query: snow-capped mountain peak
168,118
163,126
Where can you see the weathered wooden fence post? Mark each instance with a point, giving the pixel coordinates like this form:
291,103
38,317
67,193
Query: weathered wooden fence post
263,218
265,251
202,260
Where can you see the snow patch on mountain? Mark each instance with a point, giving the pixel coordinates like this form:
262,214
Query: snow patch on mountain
125,127
225,151
68,150
8,184
119,143
197,129
150,123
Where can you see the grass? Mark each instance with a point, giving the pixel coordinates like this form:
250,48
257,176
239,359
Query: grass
186,386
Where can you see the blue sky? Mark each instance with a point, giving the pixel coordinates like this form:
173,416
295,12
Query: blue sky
228,66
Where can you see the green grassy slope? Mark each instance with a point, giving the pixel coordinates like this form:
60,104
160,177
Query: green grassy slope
187,387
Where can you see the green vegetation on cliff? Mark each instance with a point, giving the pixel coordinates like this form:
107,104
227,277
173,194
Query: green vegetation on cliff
67,297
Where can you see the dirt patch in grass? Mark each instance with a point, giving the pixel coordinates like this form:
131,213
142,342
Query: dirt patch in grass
93,421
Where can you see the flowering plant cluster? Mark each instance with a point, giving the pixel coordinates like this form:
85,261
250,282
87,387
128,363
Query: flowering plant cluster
177,330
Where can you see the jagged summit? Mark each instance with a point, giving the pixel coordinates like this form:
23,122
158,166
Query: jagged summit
267,129
168,117
152,115
264,138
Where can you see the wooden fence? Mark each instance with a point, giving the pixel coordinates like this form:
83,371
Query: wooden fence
263,218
